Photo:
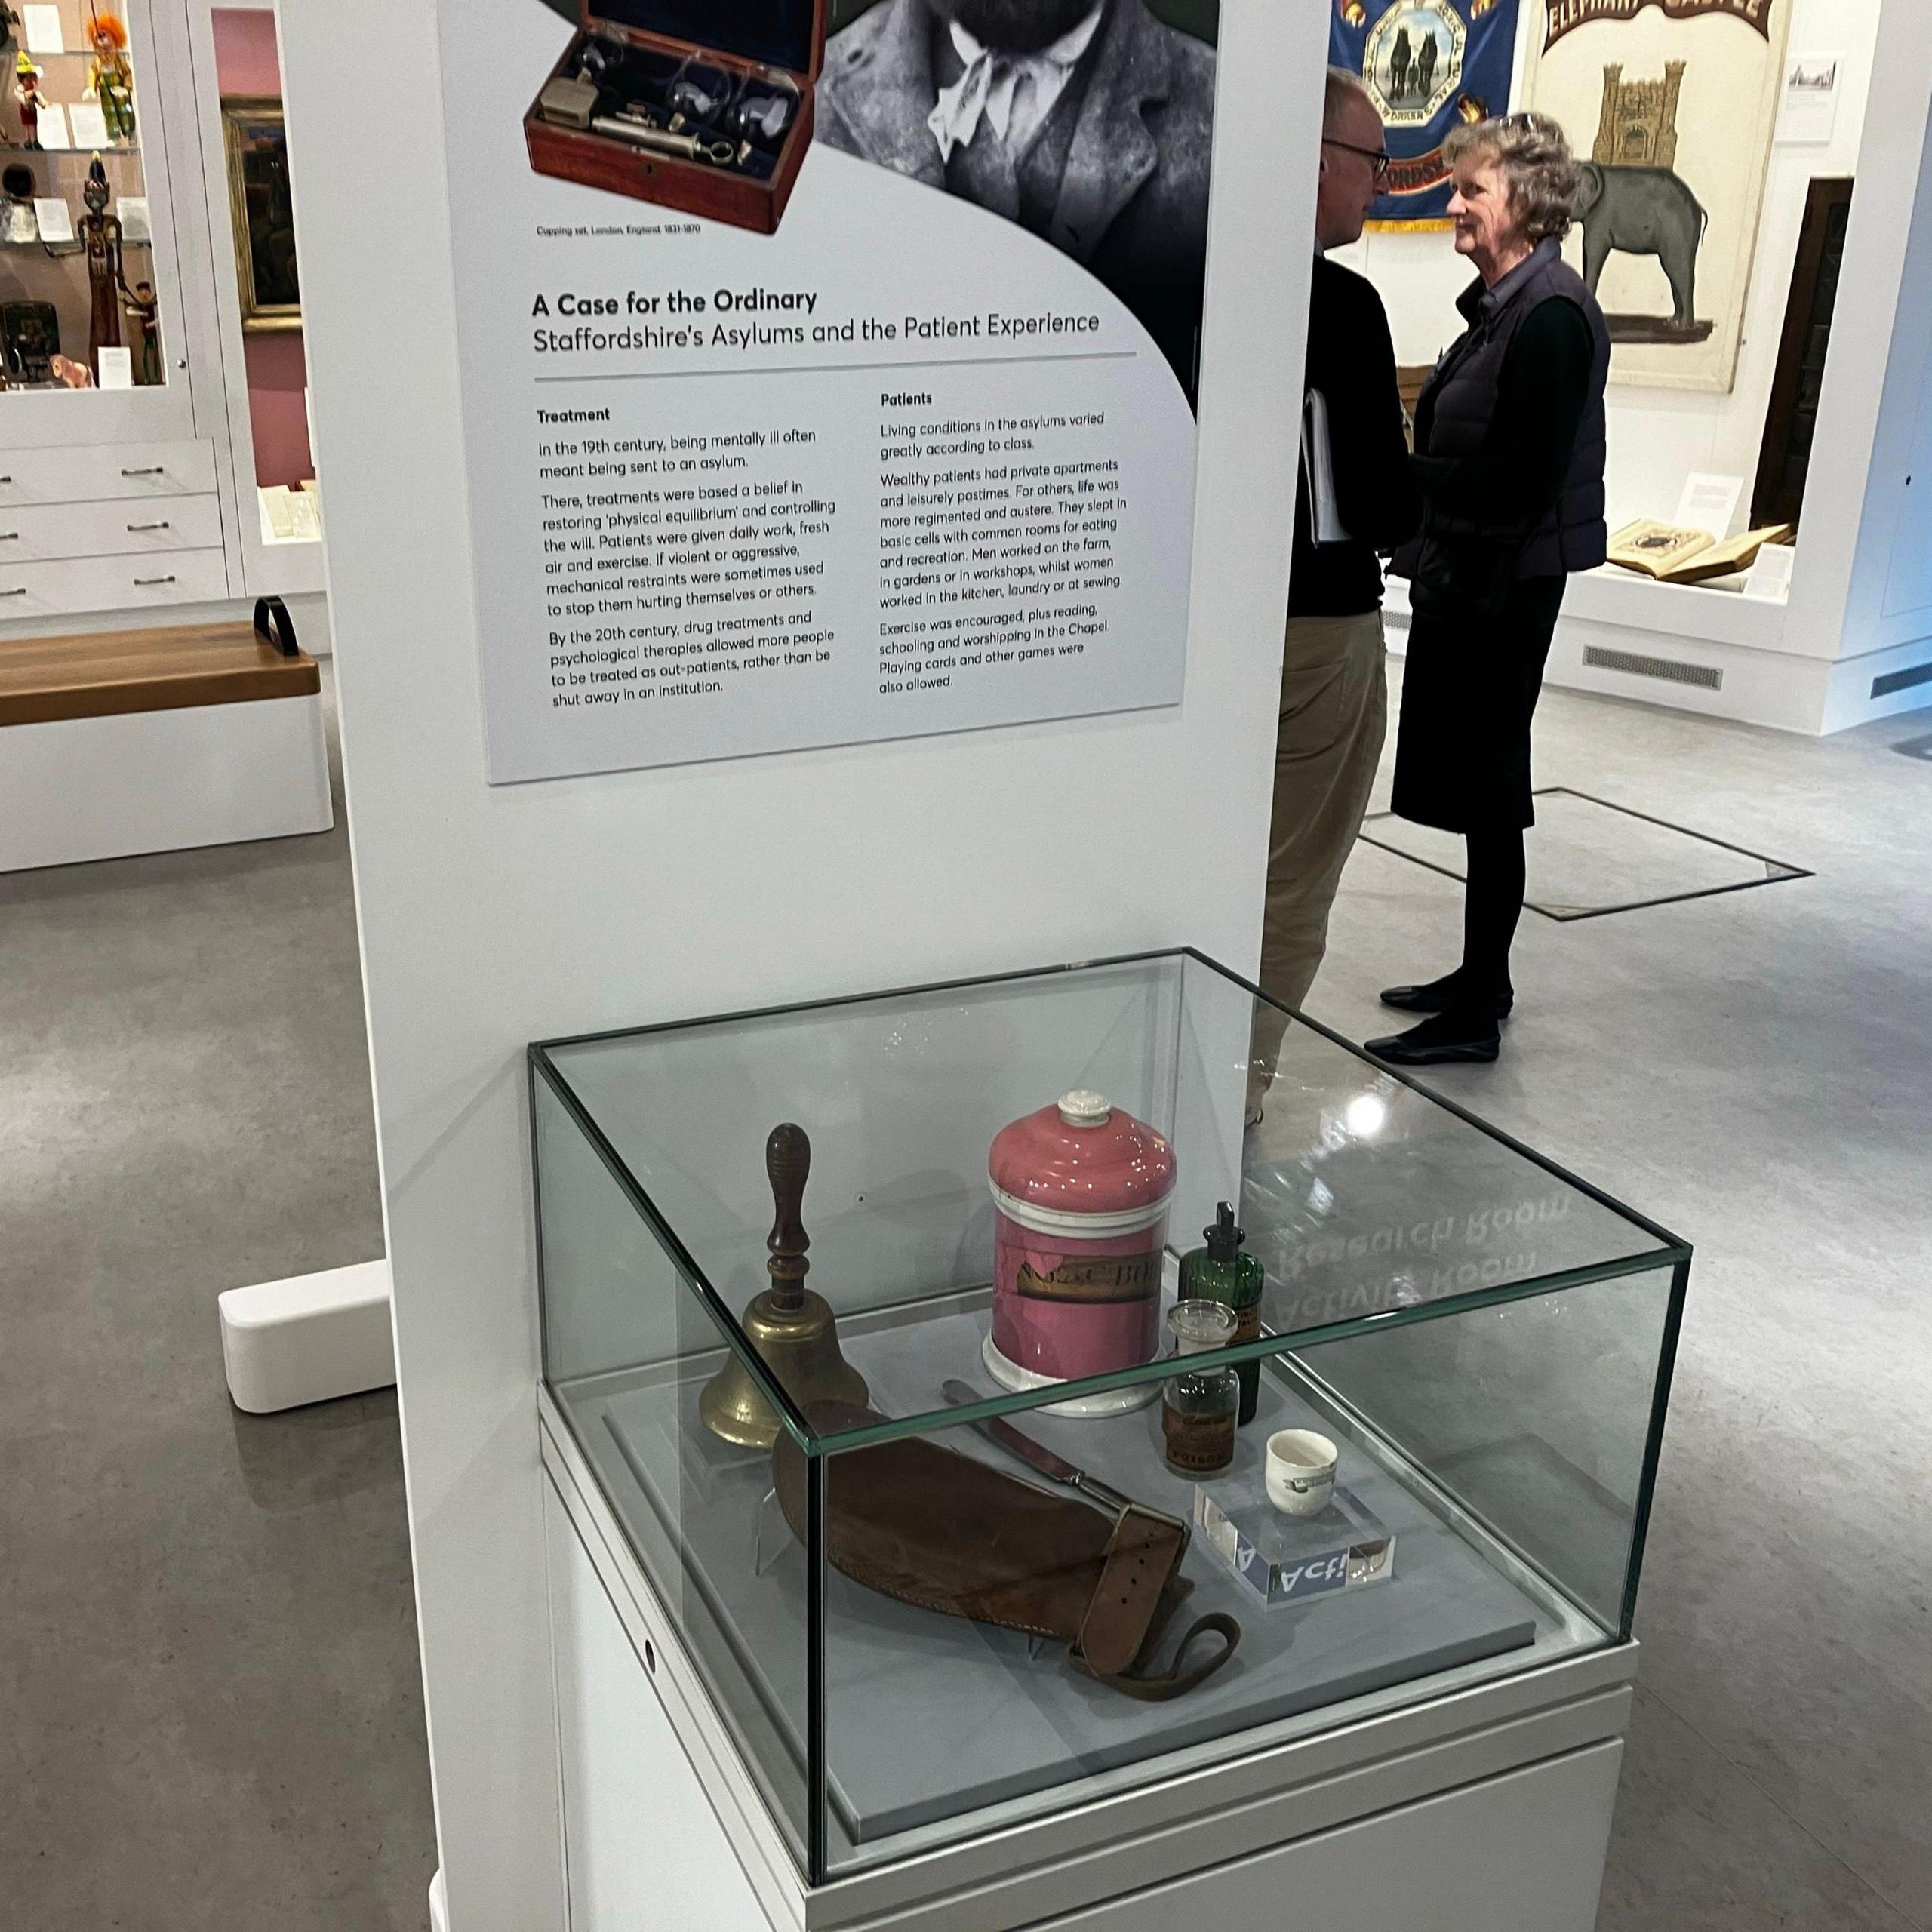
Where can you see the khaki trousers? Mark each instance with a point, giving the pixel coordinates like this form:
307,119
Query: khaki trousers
1334,716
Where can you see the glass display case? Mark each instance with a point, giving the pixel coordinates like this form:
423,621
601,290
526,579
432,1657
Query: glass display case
82,305
864,1317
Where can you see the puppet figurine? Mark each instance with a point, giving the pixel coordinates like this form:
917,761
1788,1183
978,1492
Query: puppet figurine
26,92
110,79
141,306
101,234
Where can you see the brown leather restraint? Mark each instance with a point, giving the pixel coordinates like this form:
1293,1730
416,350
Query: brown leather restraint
949,1532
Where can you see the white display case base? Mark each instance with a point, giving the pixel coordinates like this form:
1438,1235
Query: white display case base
1714,652
1485,1808
309,1339
80,789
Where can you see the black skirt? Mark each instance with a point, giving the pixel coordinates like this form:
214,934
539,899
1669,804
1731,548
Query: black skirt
1469,688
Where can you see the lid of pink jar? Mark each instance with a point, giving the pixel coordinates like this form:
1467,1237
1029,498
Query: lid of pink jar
1082,1156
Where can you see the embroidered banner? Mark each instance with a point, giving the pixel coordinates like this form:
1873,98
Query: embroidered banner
1428,66
1566,16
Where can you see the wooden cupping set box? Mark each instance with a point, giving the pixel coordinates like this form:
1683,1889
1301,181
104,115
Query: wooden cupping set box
704,105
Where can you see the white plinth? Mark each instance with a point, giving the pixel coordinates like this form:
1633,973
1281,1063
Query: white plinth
309,1339
78,788
1484,1808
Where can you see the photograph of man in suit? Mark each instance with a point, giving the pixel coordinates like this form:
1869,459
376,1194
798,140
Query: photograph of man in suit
1089,121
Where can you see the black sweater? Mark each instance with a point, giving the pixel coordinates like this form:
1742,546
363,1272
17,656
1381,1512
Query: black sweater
1351,360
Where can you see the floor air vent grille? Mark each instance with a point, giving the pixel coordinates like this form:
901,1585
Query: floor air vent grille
1901,680
1706,677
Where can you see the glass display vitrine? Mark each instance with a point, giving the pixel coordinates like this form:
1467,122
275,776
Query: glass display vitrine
836,1299
82,300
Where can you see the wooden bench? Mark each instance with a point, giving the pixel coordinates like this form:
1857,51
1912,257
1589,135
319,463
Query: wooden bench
121,742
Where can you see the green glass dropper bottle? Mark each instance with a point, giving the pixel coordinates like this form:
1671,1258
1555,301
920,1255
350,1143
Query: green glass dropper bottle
1221,1271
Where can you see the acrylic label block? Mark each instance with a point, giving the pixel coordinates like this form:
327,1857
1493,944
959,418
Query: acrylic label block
1287,1559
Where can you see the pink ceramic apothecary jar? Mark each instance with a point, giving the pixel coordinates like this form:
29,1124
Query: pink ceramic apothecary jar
1080,1194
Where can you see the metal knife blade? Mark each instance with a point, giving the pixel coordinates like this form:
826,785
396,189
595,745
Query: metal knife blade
1035,1455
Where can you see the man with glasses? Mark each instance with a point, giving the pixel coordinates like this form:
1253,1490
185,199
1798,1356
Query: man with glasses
1355,499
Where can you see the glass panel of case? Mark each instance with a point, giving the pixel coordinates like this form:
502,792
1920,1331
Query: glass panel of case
77,301
626,1334
896,1426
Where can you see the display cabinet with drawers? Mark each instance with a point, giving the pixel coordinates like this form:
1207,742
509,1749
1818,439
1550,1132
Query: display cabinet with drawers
108,475
109,526
117,479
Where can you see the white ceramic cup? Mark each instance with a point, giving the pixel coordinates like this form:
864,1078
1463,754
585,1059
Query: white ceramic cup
1301,1471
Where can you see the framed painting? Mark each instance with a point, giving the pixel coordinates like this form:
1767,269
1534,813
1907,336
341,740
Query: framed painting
1670,105
261,211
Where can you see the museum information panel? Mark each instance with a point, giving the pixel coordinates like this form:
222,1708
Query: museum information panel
826,379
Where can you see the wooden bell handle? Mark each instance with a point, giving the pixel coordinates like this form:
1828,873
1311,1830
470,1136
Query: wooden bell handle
787,1163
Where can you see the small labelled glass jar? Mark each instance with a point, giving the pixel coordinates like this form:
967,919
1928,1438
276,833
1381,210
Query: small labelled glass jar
1199,1406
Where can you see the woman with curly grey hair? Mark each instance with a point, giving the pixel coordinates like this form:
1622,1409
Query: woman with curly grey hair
1509,444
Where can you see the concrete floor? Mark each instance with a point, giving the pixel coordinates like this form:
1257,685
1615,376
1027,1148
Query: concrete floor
211,1712
1755,1071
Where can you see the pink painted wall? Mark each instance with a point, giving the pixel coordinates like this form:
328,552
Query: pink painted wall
248,62
246,58
278,379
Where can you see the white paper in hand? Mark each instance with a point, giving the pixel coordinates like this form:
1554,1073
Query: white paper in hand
1318,460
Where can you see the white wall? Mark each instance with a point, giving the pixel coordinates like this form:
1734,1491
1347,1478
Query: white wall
1658,437
1887,609
491,917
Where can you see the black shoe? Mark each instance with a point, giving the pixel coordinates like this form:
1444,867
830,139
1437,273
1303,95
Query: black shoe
1446,1038
1439,996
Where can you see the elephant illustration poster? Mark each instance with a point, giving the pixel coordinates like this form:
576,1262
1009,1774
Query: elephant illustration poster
1430,66
1672,113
